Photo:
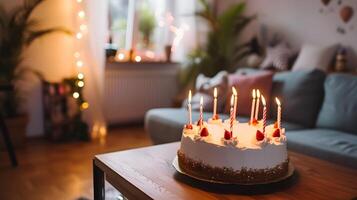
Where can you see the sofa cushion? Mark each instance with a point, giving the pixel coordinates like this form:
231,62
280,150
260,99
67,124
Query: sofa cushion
314,56
165,124
245,83
301,95
335,146
339,108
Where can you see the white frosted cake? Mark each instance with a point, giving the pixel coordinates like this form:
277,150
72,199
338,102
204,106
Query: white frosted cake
245,155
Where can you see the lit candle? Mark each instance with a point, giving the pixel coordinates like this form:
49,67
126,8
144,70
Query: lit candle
235,102
214,103
201,112
232,114
279,112
257,106
253,105
264,113
189,107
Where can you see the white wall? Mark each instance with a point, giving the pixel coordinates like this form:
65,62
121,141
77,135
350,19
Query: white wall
300,21
52,55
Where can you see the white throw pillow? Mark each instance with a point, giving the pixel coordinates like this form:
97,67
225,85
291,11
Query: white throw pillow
314,57
205,86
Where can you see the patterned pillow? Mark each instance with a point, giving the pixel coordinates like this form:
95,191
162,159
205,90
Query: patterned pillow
205,86
277,57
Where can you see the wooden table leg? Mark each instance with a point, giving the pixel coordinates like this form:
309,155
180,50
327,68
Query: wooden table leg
8,143
98,183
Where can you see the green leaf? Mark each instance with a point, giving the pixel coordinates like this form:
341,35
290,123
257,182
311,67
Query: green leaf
223,49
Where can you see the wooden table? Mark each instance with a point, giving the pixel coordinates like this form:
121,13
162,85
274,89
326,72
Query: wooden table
147,173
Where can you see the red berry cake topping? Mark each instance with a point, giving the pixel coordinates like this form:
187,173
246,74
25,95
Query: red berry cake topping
259,135
227,135
276,133
204,132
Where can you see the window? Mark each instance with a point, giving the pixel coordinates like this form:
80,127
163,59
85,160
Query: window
118,10
147,26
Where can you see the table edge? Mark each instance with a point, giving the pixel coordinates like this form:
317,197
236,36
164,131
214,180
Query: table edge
120,183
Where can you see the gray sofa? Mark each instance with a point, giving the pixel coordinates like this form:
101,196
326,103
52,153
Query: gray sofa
319,114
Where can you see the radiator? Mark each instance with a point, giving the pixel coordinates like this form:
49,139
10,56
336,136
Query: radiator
131,89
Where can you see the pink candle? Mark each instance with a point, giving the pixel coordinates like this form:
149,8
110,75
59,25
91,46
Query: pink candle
232,114
264,113
253,105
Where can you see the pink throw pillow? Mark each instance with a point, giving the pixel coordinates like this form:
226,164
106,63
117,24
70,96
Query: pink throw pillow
245,83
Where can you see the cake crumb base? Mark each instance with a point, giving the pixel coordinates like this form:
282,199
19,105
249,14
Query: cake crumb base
229,175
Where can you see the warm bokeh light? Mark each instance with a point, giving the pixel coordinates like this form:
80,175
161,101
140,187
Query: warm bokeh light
137,58
79,1
277,101
253,93
80,84
215,93
79,36
121,56
79,63
75,95
80,76
84,105
81,14
83,27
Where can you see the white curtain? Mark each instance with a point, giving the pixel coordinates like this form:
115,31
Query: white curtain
92,50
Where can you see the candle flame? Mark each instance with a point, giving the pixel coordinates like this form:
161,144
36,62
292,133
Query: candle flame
215,93
232,100
277,101
253,93
258,94
201,101
263,100
189,96
234,91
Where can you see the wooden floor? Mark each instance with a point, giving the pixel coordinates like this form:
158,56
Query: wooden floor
61,171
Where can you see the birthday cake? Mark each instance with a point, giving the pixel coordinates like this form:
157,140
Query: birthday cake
233,152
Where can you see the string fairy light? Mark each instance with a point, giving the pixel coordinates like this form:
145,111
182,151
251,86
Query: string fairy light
98,129
81,14
82,27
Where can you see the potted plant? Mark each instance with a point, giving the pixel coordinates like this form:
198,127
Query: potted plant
223,49
18,31
146,24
